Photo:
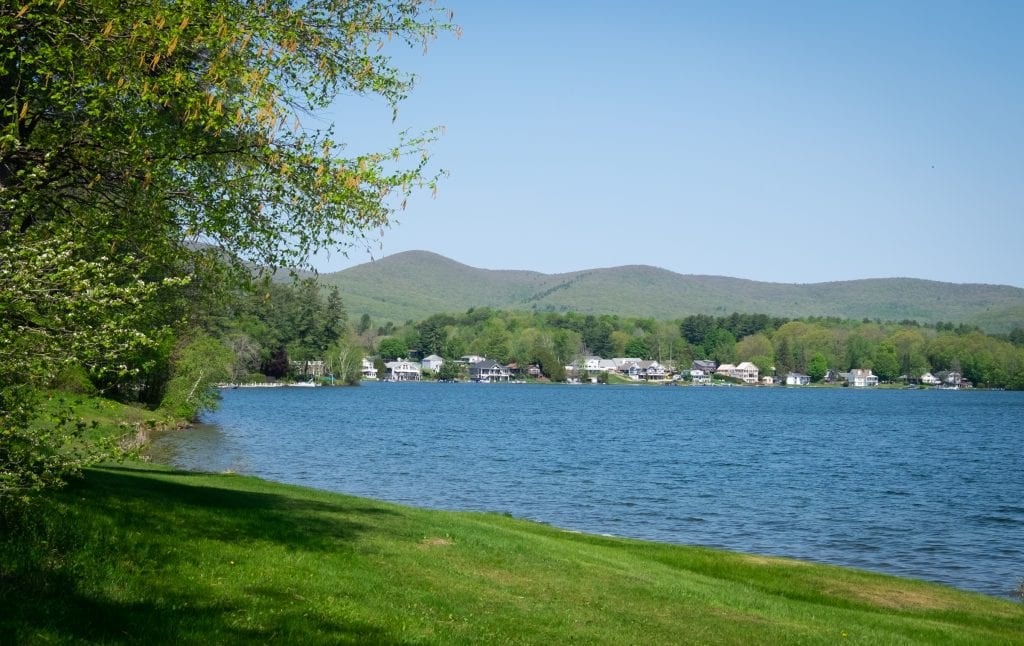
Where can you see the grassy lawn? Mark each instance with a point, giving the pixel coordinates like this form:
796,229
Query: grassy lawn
138,553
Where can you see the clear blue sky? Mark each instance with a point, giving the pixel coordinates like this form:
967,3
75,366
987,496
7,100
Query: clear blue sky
788,142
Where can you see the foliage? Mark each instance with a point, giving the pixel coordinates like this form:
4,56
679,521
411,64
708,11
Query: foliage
144,142
345,361
62,312
451,371
201,363
818,367
392,348
811,346
637,348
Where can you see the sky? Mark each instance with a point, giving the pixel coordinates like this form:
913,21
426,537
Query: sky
793,142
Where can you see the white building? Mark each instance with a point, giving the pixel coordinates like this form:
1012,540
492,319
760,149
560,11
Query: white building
402,370
368,370
746,371
862,378
797,379
432,363
929,379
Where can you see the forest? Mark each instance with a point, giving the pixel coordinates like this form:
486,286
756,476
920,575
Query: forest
306,322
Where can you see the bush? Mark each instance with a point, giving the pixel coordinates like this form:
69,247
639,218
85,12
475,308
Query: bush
196,369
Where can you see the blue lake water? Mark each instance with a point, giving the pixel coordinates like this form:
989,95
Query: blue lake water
926,484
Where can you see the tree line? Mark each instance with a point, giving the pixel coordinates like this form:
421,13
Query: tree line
811,346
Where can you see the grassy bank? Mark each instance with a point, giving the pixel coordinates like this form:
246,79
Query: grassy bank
138,553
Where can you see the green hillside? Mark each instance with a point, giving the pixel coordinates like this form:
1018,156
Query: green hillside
416,284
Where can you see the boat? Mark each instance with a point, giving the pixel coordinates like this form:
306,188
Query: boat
304,384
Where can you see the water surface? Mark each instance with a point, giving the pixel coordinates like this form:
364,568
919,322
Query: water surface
926,484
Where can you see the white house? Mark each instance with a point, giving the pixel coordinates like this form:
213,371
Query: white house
368,370
746,371
403,370
698,376
797,379
929,379
432,363
862,378
471,358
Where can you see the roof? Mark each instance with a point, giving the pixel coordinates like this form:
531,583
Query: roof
486,364
433,357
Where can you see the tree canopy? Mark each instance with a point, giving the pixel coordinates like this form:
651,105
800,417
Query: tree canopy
147,143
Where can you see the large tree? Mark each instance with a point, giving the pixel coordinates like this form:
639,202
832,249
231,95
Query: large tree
142,141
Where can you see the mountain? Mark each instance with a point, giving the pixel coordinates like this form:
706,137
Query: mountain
415,284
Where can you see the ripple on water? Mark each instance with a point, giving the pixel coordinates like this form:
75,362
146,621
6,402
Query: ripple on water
922,484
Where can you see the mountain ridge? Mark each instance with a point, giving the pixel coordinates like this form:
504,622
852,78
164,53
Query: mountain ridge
412,285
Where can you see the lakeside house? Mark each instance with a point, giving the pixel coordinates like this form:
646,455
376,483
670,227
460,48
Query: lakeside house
489,370
368,371
402,370
432,363
309,369
862,378
707,366
797,379
928,379
470,359
746,371
697,376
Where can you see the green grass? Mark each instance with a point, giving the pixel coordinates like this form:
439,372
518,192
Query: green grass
141,554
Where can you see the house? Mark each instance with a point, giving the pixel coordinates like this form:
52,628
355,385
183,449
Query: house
651,371
622,364
533,370
402,370
831,377
929,379
311,369
698,376
488,370
725,369
797,379
862,378
368,370
707,366
432,363
746,371
949,377
471,359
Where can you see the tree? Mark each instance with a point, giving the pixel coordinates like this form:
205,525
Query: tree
885,363
637,348
817,368
450,371
278,365
345,359
201,364
148,141
392,348
720,345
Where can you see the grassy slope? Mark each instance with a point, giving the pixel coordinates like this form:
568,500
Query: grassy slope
413,285
142,554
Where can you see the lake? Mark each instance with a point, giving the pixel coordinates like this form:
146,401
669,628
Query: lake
924,484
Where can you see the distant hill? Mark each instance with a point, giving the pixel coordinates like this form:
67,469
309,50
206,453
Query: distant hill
415,284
